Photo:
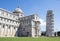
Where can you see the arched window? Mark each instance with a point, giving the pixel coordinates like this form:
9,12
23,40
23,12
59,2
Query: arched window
3,26
9,27
14,27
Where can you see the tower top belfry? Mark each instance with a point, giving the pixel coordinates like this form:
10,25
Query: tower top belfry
50,12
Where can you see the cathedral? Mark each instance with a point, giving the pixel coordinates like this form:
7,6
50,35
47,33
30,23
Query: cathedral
15,24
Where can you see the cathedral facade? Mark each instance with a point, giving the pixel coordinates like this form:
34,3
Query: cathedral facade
16,24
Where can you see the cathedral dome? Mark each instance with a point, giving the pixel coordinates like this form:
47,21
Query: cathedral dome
18,10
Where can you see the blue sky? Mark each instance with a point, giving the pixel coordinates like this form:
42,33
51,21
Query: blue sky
35,6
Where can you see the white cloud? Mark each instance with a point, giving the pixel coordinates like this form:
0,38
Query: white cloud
43,23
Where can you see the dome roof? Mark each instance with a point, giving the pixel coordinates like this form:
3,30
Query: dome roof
18,10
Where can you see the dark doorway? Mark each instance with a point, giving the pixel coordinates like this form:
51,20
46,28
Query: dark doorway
27,33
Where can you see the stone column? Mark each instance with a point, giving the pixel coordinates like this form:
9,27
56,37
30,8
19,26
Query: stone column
8,35
2,30
15,29
11,31
33,32
6,29
16,32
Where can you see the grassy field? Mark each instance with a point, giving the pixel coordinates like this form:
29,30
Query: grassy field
29,39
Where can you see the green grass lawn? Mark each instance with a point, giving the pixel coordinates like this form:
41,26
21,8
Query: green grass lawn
29,39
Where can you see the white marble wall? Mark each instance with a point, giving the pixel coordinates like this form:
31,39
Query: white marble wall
29,25
7,23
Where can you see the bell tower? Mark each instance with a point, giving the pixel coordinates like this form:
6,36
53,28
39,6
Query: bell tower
50,23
